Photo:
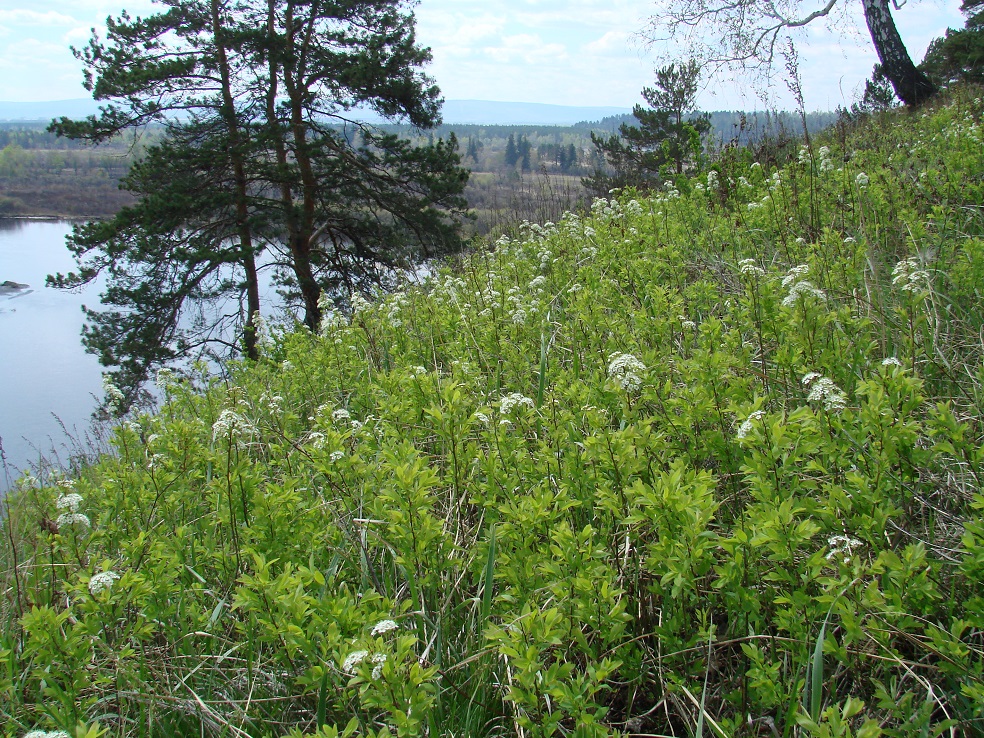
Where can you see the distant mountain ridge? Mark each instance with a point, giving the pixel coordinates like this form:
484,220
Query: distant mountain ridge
455,112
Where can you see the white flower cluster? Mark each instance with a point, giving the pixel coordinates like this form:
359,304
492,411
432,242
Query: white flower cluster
384,626
261,329
393,307
46,734
891,361
625,370
114,397
800,288
102,581
378,659
746,427
843,547
359,303
69,502
633,208
909,276
748,266
826,165
353,660
712,180
357,657
513,400
862,180
233,426
824,390
165,379
803,289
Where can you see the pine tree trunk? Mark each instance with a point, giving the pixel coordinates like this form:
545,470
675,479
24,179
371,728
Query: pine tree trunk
911,86
228,112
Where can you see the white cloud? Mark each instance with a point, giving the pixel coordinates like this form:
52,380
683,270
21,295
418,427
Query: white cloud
23,16
617,43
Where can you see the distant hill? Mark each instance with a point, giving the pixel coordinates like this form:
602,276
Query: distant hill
33,111
455,112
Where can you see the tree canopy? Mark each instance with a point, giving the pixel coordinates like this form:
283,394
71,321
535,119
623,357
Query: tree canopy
264,165
668,135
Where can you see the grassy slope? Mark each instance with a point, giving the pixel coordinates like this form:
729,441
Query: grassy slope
614,548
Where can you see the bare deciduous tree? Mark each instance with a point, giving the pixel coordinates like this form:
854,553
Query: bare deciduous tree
747,34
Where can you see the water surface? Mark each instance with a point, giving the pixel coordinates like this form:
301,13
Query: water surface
48,383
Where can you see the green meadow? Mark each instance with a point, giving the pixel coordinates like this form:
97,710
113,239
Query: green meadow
702,462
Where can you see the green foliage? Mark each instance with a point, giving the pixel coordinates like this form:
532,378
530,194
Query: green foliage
667,138
701,463
958,56
259,155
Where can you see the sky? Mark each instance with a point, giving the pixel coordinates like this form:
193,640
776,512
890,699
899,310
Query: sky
562,52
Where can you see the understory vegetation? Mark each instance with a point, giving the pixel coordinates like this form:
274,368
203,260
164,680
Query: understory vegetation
705,462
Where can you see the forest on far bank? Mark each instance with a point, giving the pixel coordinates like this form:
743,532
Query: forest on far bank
518,171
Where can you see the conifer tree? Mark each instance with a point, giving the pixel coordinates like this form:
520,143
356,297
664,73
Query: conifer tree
256,99
667,138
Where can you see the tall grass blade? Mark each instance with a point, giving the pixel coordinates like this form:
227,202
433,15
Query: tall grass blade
487,581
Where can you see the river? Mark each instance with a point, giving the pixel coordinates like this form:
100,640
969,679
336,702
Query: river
49,385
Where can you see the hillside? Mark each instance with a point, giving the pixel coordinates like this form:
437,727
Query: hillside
704,463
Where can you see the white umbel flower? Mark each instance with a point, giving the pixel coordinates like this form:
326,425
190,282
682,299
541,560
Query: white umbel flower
378,660
513,400
69,502
625,370
384,626
749,424
353,660
68,520
102,581
824,390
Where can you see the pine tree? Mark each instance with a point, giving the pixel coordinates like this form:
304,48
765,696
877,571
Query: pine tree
254,97
668,136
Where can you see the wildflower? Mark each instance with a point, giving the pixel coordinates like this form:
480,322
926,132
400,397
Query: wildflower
625,370
68,520
378,659
164,379
384,626
102,581
336,456
802,289
748,266
69,502
749,423
482,417
824,390
114,397
842,546
340,415
794,274
862,180
891,361
538,282
359,303
515,399
261,329
233,426
908,275
633,208
352,660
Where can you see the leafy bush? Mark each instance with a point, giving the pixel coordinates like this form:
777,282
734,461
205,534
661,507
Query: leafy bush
706,462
